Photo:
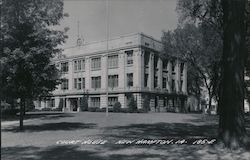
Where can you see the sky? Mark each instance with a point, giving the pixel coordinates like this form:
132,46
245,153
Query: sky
123,17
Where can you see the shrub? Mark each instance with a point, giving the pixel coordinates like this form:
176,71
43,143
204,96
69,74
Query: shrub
132,105
117,107
100,109
124,110
141,110
46,109
9,111
84,104
92,109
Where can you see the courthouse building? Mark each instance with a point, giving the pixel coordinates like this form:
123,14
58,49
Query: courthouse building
112,71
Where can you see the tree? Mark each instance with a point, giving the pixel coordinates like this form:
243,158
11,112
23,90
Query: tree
29,43
117,107
201,49
231,104
228,18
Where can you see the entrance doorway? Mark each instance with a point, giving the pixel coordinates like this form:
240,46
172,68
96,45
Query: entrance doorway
73,104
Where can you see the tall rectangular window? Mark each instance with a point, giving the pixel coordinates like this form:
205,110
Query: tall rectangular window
75,66
65,84
64,67
164,81
79,83
146,58
129,56
79,65
173,66
75,83
173,86
181,85
145,80
130,79
96,63
95,101
112,101
113,61
182,67
96,82
155,81
83,65
113,81
83,83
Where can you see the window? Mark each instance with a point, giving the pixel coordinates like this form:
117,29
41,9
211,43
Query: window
146,80
96,63
79,65
79,83
112,100
182,67
96,82
95,101
83,64
173,66
65,84
146,58
113,81
64,67
165,65
130,79
155,81
75,66
113,61
173,85
181,85
129,56
75,83
164,80
83,83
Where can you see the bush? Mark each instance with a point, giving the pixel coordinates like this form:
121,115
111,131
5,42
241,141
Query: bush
142,110
9,111
92,109
124,110
84,104
132,105
100,109
46,109
117,107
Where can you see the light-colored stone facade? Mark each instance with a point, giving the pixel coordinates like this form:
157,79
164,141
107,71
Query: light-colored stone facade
135,68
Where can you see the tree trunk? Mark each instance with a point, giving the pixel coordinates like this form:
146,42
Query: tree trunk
231,103
22,107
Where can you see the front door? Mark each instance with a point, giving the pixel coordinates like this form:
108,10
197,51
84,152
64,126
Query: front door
73,106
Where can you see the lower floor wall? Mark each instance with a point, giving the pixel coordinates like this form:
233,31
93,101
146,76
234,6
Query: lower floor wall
157,102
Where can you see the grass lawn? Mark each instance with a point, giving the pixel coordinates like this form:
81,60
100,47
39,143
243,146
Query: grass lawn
67,136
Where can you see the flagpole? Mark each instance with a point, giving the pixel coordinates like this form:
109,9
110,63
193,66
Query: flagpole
107,37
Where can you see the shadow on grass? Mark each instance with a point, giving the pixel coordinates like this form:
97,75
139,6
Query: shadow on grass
43,116
52,127
74,153
161,130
